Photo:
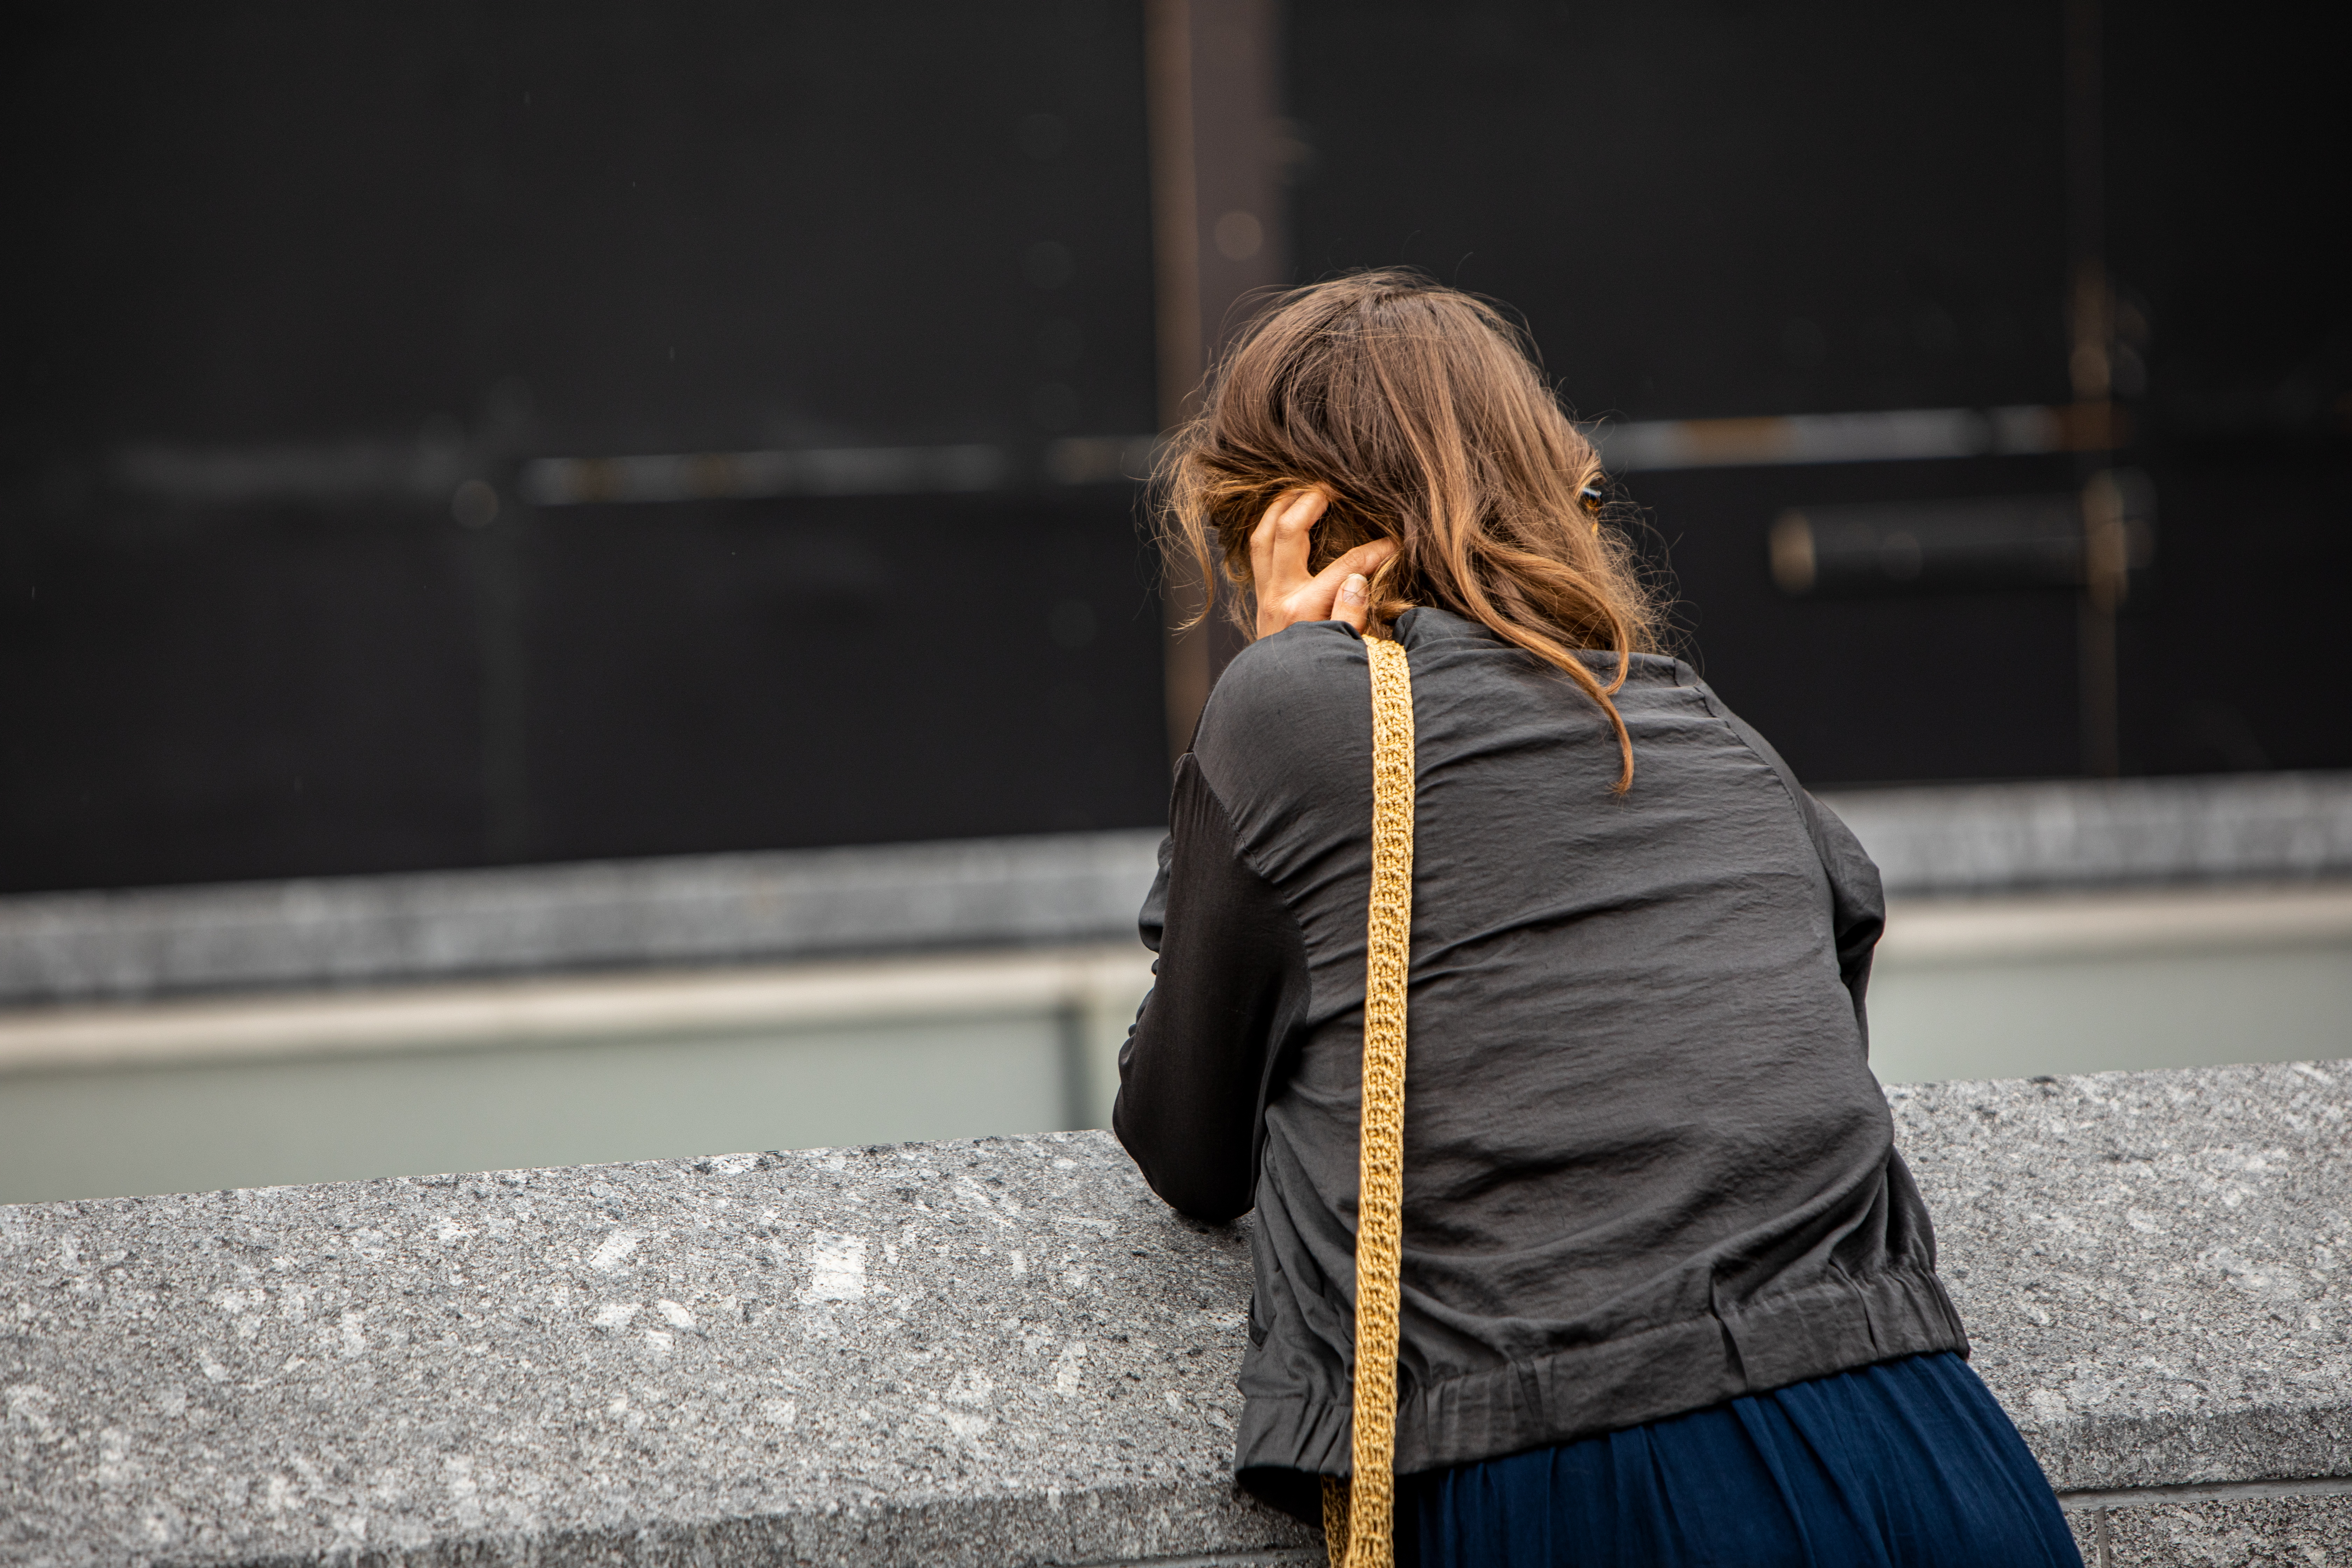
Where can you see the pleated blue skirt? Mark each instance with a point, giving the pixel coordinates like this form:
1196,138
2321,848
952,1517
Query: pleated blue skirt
1908,1464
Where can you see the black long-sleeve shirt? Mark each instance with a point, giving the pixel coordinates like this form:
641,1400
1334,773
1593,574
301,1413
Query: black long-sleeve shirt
1647,1168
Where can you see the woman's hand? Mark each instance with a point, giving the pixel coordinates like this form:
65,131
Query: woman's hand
1286,593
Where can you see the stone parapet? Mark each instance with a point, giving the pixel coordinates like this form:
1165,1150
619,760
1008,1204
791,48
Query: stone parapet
1008,1351
1944,840
780,906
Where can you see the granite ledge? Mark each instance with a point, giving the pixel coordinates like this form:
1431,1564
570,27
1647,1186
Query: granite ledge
1007,1351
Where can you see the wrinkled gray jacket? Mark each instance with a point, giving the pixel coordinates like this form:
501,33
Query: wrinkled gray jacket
1647,1168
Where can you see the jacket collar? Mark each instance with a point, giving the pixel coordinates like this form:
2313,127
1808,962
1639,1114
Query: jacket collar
1426,625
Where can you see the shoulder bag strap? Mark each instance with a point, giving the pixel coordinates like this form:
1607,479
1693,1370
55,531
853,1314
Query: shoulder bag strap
1358,1513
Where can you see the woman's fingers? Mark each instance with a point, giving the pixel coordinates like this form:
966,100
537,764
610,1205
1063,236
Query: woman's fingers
1366,558
1280,544
1325,598
1349,606
1280,549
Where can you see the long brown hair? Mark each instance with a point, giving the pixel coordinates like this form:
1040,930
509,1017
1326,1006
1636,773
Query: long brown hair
1420,410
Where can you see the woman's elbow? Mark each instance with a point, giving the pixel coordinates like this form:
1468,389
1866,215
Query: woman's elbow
1205,1203
1185,1183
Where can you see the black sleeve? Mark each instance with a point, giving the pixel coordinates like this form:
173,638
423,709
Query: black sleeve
1230,986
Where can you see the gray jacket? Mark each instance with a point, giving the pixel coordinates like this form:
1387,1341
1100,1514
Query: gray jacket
1647,1168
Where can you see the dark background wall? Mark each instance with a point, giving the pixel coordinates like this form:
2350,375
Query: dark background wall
1708,209
566,230
444,240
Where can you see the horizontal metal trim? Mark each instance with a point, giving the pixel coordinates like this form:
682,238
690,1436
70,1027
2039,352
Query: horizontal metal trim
1887,435
360,470
2203,1491
1628,447
703,475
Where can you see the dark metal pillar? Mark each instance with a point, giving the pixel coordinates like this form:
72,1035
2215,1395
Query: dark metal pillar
1220,222
2095,419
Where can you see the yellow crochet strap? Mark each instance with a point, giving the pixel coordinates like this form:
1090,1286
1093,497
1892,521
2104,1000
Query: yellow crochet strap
1335,1519
1358,1513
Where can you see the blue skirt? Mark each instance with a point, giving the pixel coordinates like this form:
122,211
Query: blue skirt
1908,1464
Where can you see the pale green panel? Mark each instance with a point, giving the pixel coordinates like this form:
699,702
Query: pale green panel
1105,1024
2020,1018
323,1119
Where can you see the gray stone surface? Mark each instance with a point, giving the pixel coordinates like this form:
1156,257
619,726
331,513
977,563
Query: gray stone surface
1060,888
718,909
1009,1353
994,1352
2221,1533
2153,1266
2077,833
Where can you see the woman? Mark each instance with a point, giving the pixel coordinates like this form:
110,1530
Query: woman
1668,1293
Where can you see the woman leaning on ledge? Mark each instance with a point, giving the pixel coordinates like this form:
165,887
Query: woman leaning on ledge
1668,1293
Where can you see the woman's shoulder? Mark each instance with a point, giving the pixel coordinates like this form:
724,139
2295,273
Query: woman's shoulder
1312,652
1288,709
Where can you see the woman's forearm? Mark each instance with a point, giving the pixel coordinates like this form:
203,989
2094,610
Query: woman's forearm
1231,971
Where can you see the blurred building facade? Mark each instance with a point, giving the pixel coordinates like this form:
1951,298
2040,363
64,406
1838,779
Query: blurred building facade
326,331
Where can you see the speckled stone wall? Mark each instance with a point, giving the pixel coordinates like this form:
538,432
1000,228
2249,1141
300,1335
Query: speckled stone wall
1008,1351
